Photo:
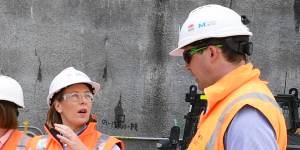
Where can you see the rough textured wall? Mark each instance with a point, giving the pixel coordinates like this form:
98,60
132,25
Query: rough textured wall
124,45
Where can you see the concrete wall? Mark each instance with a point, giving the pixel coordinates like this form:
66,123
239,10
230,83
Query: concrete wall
124,45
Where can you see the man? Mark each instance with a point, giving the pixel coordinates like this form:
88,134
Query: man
242,112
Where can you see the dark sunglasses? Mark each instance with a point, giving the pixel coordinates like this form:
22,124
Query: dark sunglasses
187,55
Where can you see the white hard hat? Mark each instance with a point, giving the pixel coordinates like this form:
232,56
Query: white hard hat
209,21
69,76
11,90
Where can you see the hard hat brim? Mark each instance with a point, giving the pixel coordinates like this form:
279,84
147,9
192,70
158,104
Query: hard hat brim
177,52
12,100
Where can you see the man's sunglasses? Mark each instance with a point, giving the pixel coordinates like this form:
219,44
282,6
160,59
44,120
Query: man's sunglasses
187,55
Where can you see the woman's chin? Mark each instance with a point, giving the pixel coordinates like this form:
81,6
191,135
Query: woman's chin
81,121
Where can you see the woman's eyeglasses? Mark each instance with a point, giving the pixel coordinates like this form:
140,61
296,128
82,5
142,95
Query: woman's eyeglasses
78,96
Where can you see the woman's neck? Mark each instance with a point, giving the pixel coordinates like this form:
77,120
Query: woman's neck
75,128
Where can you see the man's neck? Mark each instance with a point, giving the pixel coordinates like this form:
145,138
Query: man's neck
227,68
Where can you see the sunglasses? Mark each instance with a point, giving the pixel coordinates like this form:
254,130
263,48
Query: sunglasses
187,55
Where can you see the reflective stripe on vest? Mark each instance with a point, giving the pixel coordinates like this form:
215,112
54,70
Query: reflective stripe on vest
256,95
101,142
42,143
23,141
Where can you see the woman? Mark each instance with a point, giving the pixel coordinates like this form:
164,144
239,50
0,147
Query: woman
11,98
69,123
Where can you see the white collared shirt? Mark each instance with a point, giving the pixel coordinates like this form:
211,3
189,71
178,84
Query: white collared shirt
5,137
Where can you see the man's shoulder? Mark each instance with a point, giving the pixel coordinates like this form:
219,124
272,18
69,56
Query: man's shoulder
250,126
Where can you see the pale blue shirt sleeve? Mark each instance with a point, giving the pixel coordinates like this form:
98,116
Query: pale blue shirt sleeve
250,130
116,147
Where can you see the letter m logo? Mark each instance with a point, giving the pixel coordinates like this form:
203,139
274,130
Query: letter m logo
201,24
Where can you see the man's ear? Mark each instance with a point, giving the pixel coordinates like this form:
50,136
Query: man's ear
214,53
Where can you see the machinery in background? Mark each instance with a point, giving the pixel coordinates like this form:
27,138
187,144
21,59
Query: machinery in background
198,104
289,104
30,130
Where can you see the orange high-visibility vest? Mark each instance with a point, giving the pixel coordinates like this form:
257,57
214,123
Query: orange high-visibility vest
17,140
92,138
226,97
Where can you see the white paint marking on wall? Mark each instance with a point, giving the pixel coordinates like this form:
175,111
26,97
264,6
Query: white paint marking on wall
82,30
31,12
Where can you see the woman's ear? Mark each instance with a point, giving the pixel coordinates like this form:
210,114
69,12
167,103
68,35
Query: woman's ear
57,106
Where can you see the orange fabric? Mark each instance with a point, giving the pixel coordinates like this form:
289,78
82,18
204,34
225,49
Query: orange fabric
89,137
13,140
114,141
31,145
240,81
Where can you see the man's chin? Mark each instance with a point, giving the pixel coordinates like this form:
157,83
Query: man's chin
199,86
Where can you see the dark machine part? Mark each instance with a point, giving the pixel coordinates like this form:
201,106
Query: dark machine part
172,143
198,104
289,104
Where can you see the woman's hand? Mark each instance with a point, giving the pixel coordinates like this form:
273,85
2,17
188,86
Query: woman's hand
69,138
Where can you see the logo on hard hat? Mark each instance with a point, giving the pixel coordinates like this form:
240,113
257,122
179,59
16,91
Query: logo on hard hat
191,27
206,24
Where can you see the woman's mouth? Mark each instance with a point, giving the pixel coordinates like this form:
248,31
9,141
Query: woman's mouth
82,111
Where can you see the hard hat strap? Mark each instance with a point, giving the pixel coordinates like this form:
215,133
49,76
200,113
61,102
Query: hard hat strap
239,44
245,20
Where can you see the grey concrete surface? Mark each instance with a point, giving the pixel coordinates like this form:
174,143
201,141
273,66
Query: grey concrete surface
124,45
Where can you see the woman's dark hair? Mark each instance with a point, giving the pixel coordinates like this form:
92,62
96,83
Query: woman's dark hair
8,115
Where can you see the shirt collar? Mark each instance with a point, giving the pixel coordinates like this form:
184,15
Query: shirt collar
81,129
5,137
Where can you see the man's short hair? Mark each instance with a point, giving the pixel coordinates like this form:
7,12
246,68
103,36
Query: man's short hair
233,48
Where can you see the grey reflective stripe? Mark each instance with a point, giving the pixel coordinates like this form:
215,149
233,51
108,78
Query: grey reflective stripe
42,143
255,95
23,141
101,141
